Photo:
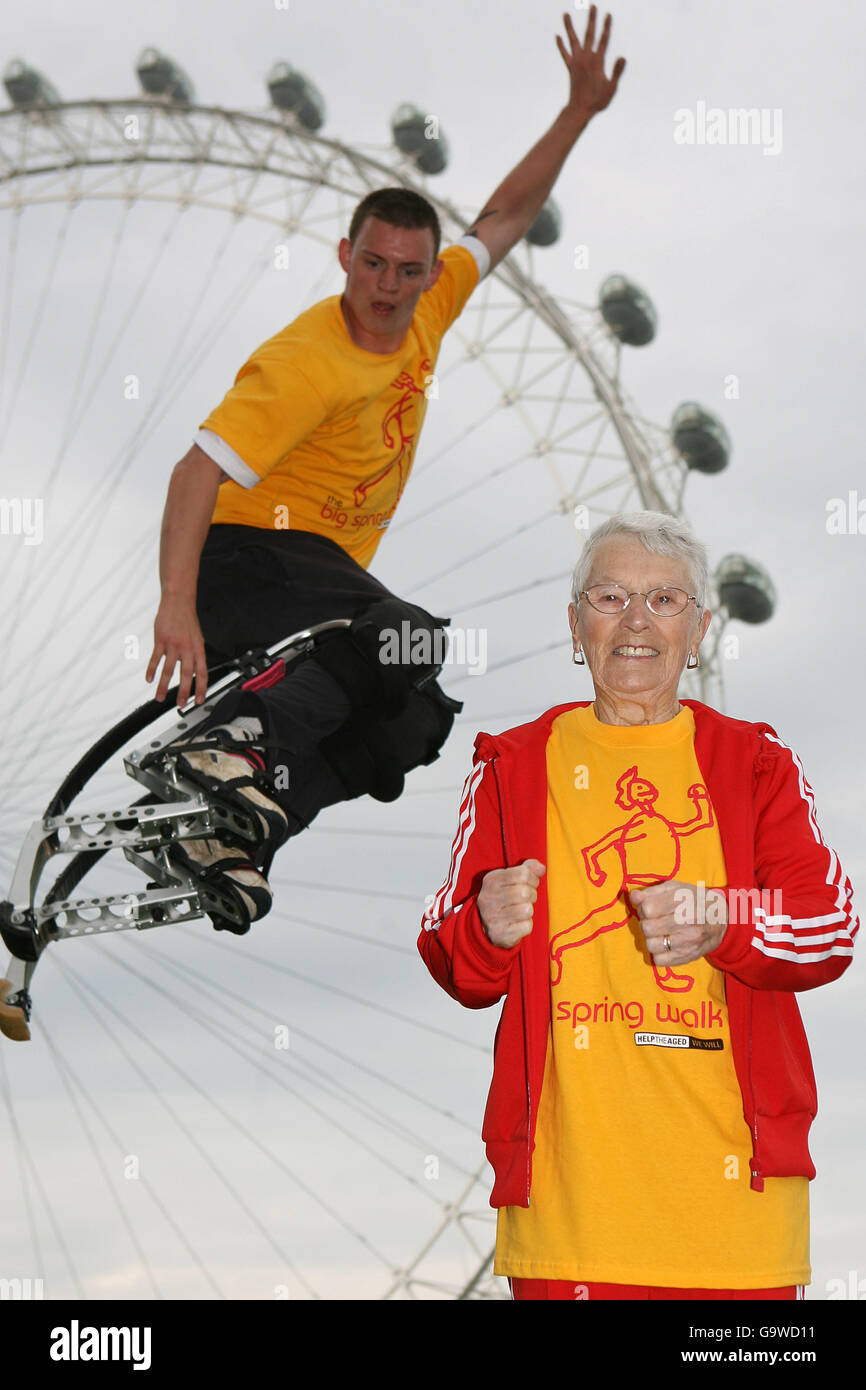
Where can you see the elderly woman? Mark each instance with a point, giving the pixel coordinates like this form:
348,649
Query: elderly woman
644,881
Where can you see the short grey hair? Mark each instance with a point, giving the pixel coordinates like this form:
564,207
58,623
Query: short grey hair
658,533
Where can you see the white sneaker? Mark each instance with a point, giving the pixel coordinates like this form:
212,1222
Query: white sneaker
207,860
226,759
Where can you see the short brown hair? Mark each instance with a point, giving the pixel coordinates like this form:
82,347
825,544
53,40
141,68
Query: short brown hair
399,207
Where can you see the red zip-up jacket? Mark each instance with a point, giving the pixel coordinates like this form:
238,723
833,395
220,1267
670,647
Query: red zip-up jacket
766,817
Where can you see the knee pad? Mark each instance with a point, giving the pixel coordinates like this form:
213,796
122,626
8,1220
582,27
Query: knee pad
391,648
372,752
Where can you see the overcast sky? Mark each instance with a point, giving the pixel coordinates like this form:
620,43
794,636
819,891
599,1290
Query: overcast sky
752,255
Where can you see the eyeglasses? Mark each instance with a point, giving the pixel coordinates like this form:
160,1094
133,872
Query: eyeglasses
613,598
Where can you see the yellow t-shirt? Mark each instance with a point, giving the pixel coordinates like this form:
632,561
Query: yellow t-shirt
640,1172
329,428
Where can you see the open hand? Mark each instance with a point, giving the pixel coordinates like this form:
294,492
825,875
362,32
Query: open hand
177,637
590,90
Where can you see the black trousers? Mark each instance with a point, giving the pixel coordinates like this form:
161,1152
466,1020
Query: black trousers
256,587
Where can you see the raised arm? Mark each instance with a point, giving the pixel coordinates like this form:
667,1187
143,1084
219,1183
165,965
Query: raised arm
177,636
511,210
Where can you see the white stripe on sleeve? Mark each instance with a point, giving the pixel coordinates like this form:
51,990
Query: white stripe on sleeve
441,905
772,938
216,448
477,248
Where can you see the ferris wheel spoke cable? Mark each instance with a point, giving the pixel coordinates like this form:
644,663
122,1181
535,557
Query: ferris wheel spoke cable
123,586
179,374
563,397
80,986
591,453
513,660
486,549
63,697
483,353
112,475
513,593
352,936
8,299
174,360
99,685
96,501
501,469
389,893
99,501
35,773
496,472
511,314
65,687
214,1026
216,1031
591,493
23,1161
564,442
312,1072
76,526
524,348
35,322
424,465
327,988
212,331
481,350
69,1080
70,424
471,428
345,1058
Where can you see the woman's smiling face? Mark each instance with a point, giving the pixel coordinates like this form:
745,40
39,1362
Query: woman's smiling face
635,656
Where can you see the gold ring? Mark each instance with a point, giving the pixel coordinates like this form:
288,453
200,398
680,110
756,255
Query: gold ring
667,943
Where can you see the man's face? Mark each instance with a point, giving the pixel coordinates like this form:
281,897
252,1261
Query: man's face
387,270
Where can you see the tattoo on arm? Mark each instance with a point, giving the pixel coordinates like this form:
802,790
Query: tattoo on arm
473,231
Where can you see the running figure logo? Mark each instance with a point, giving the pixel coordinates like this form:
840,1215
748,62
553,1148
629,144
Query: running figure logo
405,384
645,850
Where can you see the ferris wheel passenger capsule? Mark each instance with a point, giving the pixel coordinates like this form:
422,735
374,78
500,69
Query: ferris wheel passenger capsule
161,77
745,589
419,137
547,226
27,87
291,91
701,438
628,312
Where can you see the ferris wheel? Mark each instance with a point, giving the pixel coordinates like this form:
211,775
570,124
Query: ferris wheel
275,1117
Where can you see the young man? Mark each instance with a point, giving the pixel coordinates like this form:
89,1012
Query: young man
274,515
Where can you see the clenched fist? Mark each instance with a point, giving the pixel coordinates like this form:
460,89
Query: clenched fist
506,899
679,922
